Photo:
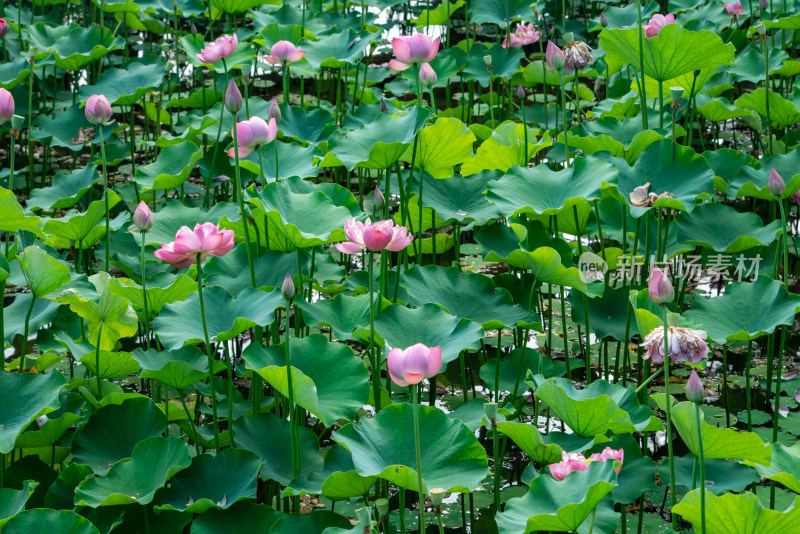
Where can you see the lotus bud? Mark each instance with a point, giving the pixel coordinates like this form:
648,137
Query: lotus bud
382,505
437,496
603,20
193,28
520,93
98,110
427,75
233,98
379,199
488,60
761,29
3,28
694,388
554,56
660,288
143,217
762,4
364,516
274,111
287,288
6,105
776,184
383,105
569,38
490,411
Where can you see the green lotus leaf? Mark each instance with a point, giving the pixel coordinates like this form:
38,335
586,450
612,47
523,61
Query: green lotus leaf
782,112
44,311
749,65
305,125
458,292
784,466
233,7
314,523
531,442
611,142
62,128
57,424
179,322
162,289
170,218
754,182
178,369
430,325
171,168
80,228
73,46
746,311
29,396
67,189
346,315
558,505
543,191
669,54
599,408
791,22
341,481
461,198
336,50
231,271
505,62
500,12
294,161
717,442
13,71
719,109
737,514
429,216
505,149
328,379
383,446
112,364
438,15
212,482
249,517
726,164
125,87
440,146
721,475
43,273
13,217
193,43
723,229
113,431
12,501
46,520
135,480
608,313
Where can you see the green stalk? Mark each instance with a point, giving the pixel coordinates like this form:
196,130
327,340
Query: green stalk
420,487
702,468
374,354
286,83
498,467
24,349
747,384
144,295
97,362
766,86
564,116
105,192
640,81
292,414
209,353
668,402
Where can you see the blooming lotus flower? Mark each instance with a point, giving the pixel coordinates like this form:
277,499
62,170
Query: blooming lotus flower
427,75
3,28
98,110
410,366
577,55
227,44
223,47
6,105
685,345
657,22
660,288
525,35
609,454
776,184
734,8
205,239
570,461
284,52
253,133
694,388
413,50
795,197
233,97
381,235
554,56
143,217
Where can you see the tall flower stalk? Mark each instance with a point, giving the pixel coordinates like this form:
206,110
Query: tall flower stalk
98,112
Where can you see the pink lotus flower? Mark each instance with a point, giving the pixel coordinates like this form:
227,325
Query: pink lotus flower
660,288
609,454
427,75
284,52
413,50
795,197
657,22
525,35
143,217
223,47
205,239
554,56
694,388
98,110
734,9
410,366
6,105
570,461
233,97
3,28
228,44
253,133
776,184
381,235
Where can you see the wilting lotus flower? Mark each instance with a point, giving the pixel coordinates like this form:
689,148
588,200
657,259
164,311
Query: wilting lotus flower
381,235
577,55
660,288
205,239
284,52
685,345
657,22
223,47
554,56
694,388
143,217
609,454
427,75
570,461
252,134
413,50
734,8
776,184
525,35
410,366
3,28
6,105
98,110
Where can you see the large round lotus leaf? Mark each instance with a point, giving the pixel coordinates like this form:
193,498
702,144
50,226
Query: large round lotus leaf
171,168
505,62
608,313
754,182
12,216
314,523
462,198
746,311
169,218
430,325
782,112
178,369
670,168
727,164
126,86
67,189
305,125
721,475
790,23
80,229
27,397
529,440
226,316
459,292
341,481
231,271
270,438
212,482
383,446
717,442
247,516
346,315
506,149
500,12
58,422
737,514
112,364
73,46
377,144
599,408
12,72
719,109
61,127
440,146
784,466
153,462
327,378
43,273
338,49
669,54
46,520
558,505
113,431
723,229
162,289
12,501
44,311
294,161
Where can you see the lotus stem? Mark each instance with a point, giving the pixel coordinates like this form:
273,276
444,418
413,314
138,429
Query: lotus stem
24,349
668,402
564,116
699,417
375,356
209,352
144,294
420,487
290,394
640,81
105,194
239,194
